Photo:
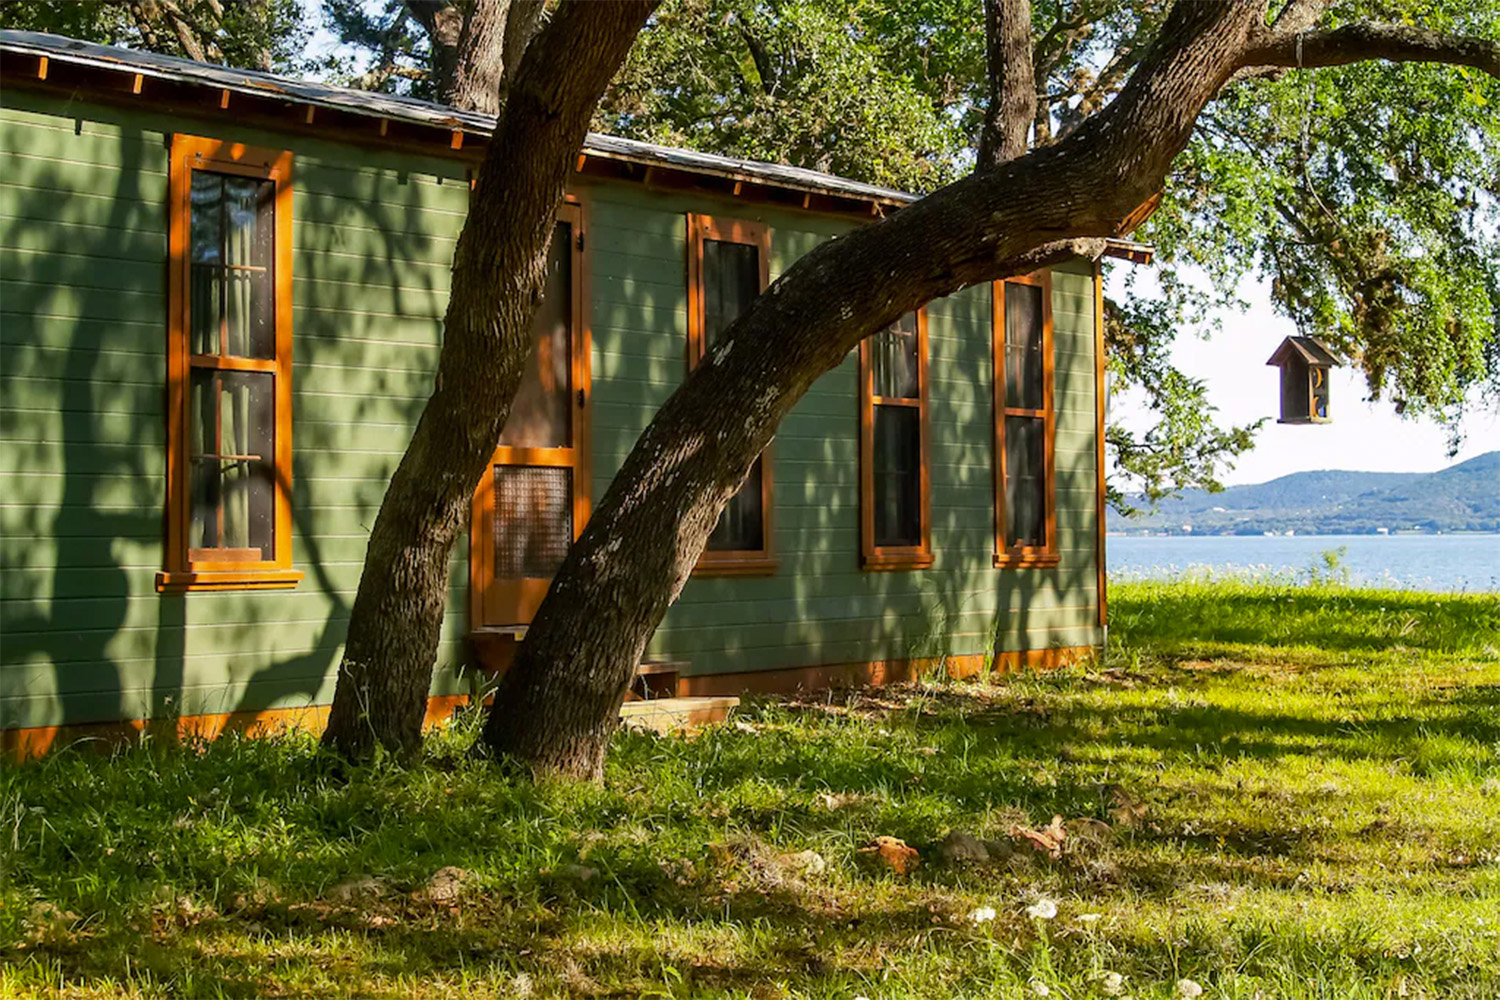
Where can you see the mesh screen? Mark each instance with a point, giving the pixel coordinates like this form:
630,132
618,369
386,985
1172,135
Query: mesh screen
533,520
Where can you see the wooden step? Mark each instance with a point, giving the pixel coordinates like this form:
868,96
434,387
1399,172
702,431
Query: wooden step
666,715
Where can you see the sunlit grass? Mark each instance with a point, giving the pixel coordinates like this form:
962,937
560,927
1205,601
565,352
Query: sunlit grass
1317,771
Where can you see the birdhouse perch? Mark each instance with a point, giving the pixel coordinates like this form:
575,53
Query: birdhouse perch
1305,364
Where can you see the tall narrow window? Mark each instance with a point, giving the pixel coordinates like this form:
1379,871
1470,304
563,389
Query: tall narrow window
895,525
1025,493
535,500
229,367
728,266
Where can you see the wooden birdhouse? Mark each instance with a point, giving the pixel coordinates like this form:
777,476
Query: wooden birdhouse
1305,364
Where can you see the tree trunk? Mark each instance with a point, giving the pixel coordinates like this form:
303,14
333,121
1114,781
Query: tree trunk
559,702
498,268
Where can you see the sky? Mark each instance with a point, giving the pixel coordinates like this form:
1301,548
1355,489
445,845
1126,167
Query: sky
1363,436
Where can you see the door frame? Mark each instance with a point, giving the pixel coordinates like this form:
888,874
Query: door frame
527,592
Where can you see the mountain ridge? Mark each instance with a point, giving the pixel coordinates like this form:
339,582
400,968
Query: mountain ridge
1462,497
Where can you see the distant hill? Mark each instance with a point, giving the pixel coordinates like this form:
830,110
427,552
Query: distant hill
1463,497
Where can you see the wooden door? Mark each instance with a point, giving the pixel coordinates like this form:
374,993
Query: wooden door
534,499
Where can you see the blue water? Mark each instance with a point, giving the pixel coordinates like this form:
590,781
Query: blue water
1449,563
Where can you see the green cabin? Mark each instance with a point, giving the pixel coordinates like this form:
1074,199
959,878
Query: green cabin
221,311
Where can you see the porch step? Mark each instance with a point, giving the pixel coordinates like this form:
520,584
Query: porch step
665,715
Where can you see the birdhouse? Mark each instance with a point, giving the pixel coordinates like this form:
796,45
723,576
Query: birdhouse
1304,364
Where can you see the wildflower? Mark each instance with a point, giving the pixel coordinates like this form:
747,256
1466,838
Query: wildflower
1188,990
982,915
1042,909
1040,988
1113,984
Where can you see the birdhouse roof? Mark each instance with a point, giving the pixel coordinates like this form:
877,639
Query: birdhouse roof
1309,349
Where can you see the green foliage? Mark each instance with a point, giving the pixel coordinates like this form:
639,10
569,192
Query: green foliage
853,87
1367,195
267,34
1313,769
398,47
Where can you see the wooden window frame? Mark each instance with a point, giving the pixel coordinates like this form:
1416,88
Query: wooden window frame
182,572
893,557
700,228
482,507
1025,556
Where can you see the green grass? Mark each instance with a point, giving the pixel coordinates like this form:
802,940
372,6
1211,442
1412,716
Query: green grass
1317,771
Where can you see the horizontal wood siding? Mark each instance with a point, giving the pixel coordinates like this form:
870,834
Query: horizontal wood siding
820,607
84,636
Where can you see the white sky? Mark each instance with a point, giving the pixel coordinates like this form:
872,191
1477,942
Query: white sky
1364,436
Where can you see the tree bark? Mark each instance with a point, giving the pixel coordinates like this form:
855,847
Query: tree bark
559,702
494,39
1013,96
498,269
443,21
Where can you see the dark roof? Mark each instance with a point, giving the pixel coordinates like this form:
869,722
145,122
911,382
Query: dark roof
407,109
418,112
1309,349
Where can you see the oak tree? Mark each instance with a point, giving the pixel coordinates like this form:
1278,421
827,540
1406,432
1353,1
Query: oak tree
1022,207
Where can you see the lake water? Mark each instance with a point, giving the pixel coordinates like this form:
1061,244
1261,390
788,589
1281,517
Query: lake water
1465,562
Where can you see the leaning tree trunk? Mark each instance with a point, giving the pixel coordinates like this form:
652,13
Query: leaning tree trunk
498,269
559,703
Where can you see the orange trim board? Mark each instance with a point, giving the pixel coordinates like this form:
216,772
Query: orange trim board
22,744
877,672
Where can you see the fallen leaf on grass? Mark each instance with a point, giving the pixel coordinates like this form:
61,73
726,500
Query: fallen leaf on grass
894,854
1048,840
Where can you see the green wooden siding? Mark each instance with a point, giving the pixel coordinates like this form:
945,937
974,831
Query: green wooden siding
82,423
85,637
820,607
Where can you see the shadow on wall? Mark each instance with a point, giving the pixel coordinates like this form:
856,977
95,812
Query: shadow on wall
84,636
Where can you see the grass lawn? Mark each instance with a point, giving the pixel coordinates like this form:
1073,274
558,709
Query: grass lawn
1302,788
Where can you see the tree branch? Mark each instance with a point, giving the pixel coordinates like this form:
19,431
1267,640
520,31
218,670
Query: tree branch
1300,15
1012,104
1360,42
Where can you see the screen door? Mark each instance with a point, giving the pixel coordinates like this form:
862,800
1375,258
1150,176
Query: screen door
533,500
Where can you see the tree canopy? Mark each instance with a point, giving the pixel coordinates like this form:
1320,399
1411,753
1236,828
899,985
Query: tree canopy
250,34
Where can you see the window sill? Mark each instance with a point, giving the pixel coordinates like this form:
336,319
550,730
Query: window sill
884,562
1039,561
262,579
734,564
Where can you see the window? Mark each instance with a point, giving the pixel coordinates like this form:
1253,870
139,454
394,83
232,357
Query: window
229,366
535,500
728,266
1025,493
895,527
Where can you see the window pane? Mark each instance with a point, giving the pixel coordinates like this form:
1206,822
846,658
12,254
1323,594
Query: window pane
206,261
893,358
533,520
232,450
1025,481
231,231
249,207
741,525
731,279
541,415
1023,346
897,475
